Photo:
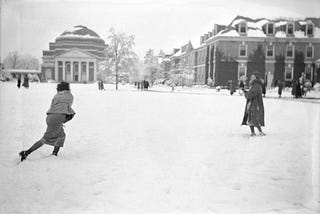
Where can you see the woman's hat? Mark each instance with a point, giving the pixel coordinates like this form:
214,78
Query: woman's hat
63,86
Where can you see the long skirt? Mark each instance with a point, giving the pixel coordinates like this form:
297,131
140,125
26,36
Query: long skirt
54,134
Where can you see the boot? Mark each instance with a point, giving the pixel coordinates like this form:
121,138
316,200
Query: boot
23,155
55,150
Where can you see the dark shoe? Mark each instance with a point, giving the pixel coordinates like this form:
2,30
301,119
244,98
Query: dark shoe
55,150
262,134
23,155
253,134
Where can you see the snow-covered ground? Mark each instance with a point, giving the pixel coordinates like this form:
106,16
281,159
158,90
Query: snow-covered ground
131,151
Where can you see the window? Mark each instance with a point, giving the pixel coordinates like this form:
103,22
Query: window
289,51
243,28
309,29
243,50
309,51
242,72
270,28
288,72
270,50
308,71
290,29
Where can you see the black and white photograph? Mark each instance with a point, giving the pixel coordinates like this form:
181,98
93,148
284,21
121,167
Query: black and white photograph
159,106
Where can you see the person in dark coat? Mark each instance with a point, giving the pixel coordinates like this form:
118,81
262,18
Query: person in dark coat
254,110
25,81
280,88
298,90
241,85
232,87
19,81
263,86
59,113
145,84
294,88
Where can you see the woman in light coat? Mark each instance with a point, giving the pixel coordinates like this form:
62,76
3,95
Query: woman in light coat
59,113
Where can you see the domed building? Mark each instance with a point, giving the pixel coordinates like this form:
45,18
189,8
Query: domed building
74,56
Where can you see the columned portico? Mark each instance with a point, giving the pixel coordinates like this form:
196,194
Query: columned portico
79,71
76,66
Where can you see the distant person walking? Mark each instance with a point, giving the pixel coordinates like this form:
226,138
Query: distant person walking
280,88
146,84
19,81
59,113
302,81
25,81
263,86
254,110
241,85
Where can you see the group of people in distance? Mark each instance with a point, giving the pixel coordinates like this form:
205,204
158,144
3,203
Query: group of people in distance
143,85
101,85
25,81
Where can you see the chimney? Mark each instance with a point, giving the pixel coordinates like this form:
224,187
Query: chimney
201,40
209,34
215,29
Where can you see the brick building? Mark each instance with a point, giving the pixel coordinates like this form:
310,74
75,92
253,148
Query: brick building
74,56
279,49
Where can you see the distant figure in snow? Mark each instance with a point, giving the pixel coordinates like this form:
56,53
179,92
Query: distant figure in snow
25,81
19,81
263,86
254,110
302,79
232,87
280,88
59,113
241,85
294,88
146,84
100,85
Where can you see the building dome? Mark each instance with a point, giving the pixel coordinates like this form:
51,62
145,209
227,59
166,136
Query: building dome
80,33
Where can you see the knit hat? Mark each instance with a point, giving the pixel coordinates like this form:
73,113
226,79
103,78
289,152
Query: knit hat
63,86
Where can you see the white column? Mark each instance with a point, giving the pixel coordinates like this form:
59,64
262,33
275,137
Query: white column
71,71
87,67
95,70
79,70
64,70
56,70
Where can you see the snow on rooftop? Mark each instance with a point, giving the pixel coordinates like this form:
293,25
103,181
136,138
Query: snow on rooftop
280,23
299,34
78,36
179,53
237,21
255,33
316,32
280,34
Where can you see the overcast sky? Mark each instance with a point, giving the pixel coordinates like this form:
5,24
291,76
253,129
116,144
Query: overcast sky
29,25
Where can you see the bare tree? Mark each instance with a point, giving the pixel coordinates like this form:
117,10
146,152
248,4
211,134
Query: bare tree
16,61
12,60
29,62
119,50
153,68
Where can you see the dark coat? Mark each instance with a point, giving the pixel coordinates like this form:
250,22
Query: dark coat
254,110
294,88
25,81
280,87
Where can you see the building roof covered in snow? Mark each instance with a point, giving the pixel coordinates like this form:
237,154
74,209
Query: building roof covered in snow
279,28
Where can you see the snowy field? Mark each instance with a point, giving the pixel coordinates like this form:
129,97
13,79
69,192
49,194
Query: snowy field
130,151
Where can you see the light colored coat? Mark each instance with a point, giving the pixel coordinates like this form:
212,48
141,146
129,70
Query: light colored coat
61,104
